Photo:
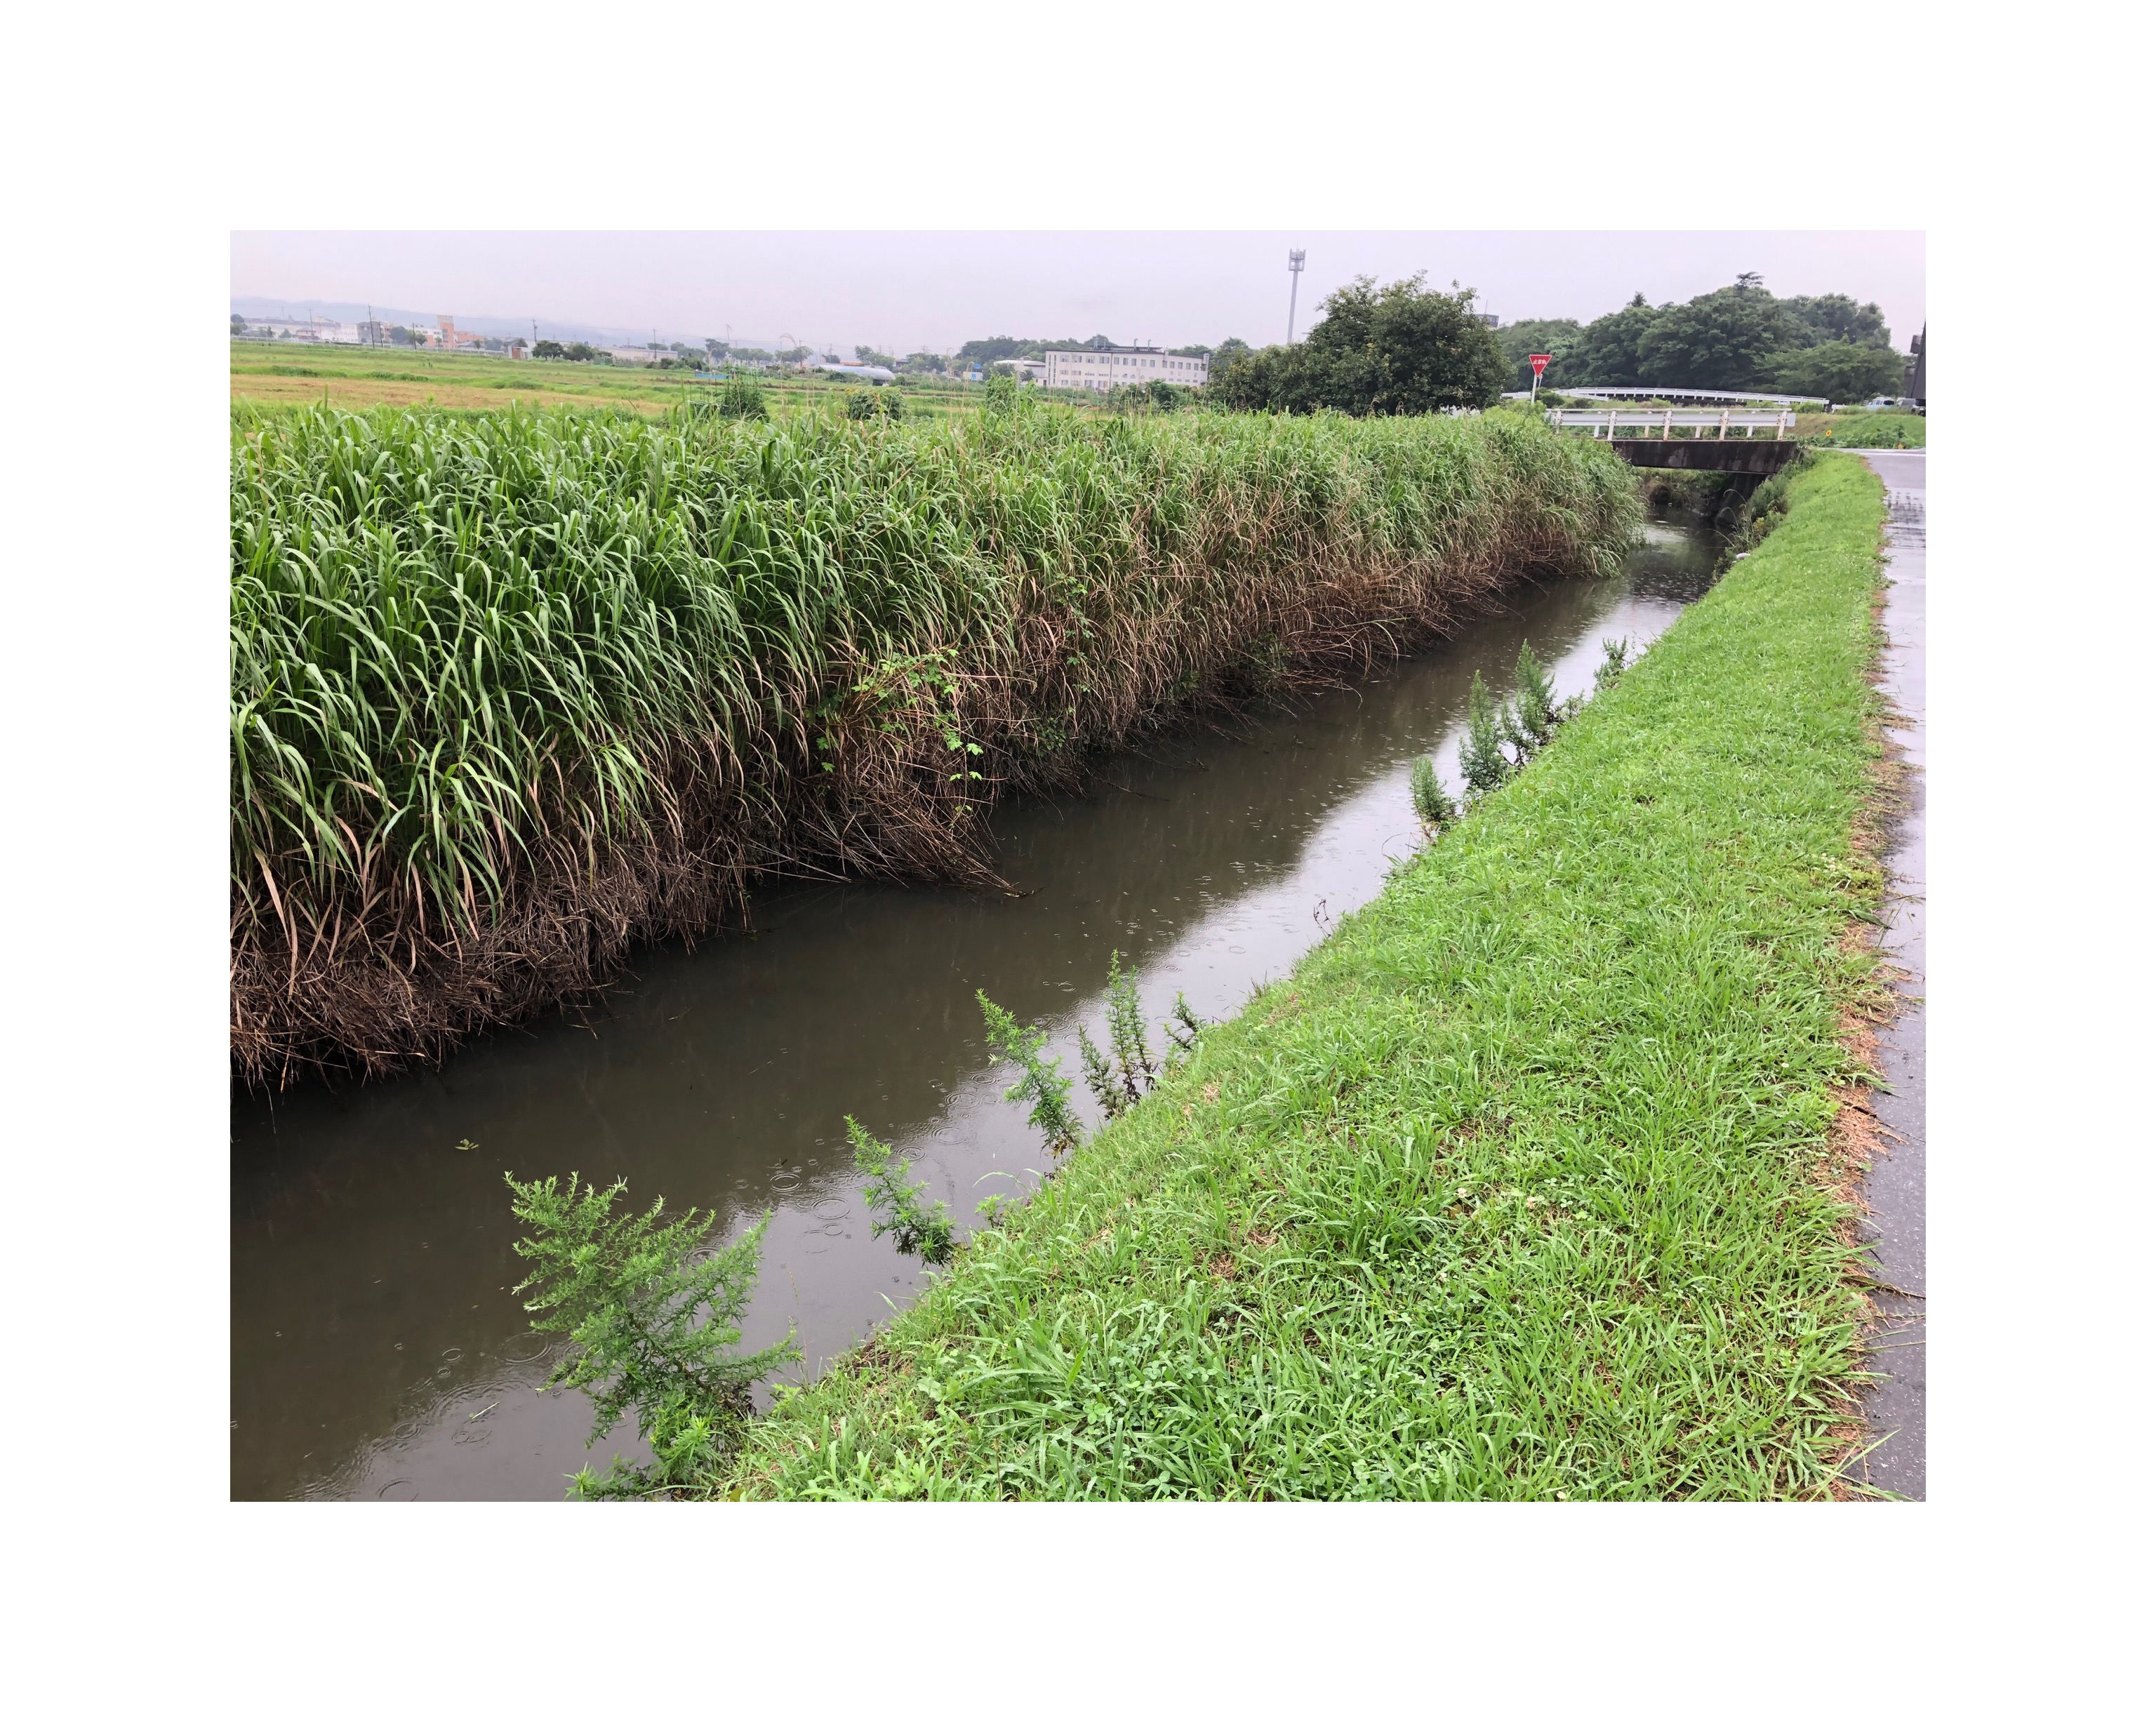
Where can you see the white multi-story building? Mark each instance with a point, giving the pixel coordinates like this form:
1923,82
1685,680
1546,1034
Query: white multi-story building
1104,369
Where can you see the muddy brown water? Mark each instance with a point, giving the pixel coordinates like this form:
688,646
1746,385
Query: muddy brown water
377,1351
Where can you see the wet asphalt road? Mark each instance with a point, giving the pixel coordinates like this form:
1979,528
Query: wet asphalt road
1894,1191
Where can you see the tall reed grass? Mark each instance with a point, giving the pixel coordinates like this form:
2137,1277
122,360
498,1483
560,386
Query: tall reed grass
511,692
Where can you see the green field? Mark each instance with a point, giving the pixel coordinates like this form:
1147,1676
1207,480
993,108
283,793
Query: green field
1523,1186
512,690
269,374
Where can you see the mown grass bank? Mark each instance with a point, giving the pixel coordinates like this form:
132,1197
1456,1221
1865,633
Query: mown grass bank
513,691
1519,1187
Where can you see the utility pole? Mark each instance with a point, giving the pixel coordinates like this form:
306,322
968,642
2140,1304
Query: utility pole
1293,282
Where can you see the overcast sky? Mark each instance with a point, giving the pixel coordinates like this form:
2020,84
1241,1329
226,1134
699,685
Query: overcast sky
899,291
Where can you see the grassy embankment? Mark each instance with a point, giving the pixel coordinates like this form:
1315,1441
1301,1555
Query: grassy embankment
1521,1186
513,691
1861,429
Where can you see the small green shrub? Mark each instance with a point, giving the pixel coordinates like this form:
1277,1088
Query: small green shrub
650,1322
1615,650
874,406
1533,716
1482,759
1432,804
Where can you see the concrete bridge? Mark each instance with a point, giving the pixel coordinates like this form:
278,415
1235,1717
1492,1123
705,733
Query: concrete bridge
1745,442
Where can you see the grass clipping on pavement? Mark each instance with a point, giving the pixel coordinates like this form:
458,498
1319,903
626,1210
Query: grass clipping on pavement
1521,1186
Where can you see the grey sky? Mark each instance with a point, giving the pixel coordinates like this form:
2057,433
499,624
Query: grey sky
902,291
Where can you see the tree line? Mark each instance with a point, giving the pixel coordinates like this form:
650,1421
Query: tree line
1736,338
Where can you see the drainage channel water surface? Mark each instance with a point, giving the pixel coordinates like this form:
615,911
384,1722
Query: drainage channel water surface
377,1351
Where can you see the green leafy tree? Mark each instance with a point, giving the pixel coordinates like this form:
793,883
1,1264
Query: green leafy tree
1556,338
1840,372
1719,341
1810,319
1404,350
650,1320
873,358
1401,350
1277,377
1607,352
921,361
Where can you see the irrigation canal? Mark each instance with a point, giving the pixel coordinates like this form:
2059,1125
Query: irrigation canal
377,1349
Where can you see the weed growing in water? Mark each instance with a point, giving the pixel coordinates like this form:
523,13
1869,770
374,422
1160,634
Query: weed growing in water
1482,759
1182,1031
1119,1078
1432,804
1043,1084
1534,711
650,1322
1615,650
1134,1066
912,1227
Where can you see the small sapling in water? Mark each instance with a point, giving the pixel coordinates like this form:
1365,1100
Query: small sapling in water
1432,804
912,1227
1613,653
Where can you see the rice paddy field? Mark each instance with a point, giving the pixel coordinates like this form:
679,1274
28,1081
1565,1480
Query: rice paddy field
515,689
1527,1184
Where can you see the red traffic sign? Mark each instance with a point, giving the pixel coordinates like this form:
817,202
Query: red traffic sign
1538,362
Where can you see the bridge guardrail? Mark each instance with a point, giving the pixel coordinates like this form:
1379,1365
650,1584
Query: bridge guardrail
1646,423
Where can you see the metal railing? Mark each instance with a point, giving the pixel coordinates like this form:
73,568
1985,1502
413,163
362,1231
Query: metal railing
1618,422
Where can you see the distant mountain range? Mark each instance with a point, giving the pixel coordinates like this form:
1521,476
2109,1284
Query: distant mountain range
562,330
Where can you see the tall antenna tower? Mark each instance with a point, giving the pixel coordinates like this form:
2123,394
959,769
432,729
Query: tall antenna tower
1293,282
